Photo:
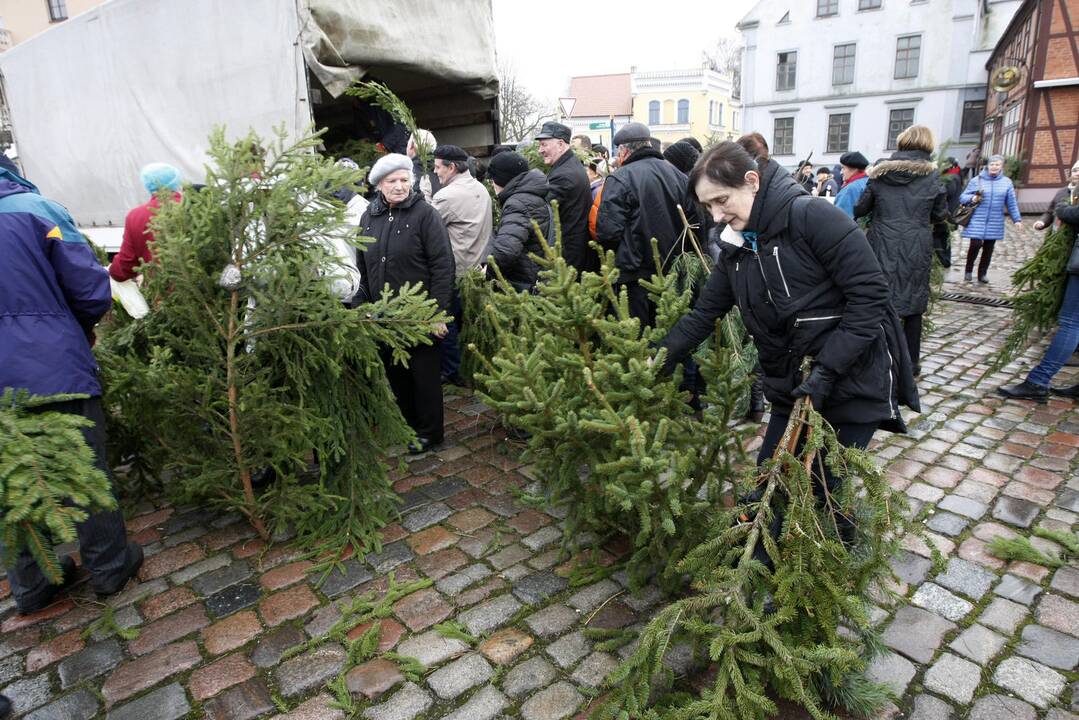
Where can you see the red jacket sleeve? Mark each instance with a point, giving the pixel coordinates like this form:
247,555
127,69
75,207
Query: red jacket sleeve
134,249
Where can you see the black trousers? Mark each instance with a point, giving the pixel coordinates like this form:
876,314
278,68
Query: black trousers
449,348
986,246
102,535
418,389
912,329
640,305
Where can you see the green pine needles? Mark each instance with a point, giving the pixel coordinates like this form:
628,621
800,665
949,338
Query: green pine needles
225,378
48,479
767,611
613,439
378,94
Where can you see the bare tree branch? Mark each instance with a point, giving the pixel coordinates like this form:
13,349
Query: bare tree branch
520,112
726,57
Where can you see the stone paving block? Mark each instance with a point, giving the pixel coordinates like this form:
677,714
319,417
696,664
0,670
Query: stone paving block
426,516
219,675
233,599
1004,615
542,538
1069,500
10,668
124,618
508,556
456,583
310,670
168,629
89,663
648,597
505,646
569,649
530,675
190,572
287,605
243,702
54,650
892,670
515,573
1049,647
322,620
460,675
1031,681
29,693
947,523
442,563
967,578
594,595
916,633
231,633
373,678
444,488
422,609
927,707
431,649
1015,511
978,643
963,506
485,704
954,678
166,603
319,707
490,614
1059,613
405,704
80,705
271,647
135,676
218,580
554,703
1001,707
1017,590
925,493
167,703
594,669
936,599
391,556
538,587
351,574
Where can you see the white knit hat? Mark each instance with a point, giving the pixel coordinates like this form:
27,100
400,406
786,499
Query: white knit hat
388,164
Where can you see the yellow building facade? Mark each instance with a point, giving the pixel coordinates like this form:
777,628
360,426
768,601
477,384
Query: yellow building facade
698,102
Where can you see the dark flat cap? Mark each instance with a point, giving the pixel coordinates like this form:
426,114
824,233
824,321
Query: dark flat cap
854,159
450,153
632,132
555,131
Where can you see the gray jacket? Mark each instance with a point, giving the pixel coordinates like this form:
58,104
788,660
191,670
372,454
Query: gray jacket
465,207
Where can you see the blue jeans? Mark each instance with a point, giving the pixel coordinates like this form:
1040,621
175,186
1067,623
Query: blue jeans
1066,339
450,349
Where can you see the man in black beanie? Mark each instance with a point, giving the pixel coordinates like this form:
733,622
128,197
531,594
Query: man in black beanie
522,195
682,155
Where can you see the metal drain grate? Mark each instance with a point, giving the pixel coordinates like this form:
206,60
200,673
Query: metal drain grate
977,300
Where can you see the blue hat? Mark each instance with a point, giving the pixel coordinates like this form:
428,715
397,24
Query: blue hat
160,175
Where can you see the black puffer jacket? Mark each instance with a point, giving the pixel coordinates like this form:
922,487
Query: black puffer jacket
523,200
567,182
411,246
640,202
812,288
905,198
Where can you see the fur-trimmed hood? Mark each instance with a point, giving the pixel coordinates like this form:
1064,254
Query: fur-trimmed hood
911,163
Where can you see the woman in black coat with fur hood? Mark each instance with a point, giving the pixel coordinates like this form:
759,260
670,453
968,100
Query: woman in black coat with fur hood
906,198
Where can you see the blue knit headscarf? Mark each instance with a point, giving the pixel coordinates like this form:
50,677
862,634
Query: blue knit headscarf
160,175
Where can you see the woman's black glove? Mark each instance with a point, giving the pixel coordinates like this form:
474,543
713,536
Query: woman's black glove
818,386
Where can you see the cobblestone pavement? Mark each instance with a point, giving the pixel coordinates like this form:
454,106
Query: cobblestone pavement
216,611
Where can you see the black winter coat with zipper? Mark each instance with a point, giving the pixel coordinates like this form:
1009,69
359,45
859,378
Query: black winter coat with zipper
904,198
811,288
567,182
411,246
523,200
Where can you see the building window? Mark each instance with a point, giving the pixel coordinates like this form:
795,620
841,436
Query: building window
653,112
783,136
898,121
868,4
973,116
719,114
843,64
838,133
711,112
57,10
908,51
683,112
786,70
734,120
827,7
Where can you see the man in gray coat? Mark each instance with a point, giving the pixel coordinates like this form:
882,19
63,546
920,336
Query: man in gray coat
465,207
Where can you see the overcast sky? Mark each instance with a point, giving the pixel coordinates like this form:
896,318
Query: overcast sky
550,41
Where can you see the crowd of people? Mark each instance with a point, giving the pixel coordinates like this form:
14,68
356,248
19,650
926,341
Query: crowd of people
789,251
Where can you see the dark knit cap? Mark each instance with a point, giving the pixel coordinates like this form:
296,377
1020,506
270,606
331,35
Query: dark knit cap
450,153
854,159
554,130
682,155
505,166
694,142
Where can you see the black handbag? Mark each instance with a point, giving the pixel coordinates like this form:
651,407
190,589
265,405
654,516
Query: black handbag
965,212
1073,259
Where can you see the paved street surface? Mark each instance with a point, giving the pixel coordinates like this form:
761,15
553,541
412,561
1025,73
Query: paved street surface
217,611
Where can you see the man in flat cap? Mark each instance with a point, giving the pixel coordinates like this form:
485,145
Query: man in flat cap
640,202
568,184
465,207
854,181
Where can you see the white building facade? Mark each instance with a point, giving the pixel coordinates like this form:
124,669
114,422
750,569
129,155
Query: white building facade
830,76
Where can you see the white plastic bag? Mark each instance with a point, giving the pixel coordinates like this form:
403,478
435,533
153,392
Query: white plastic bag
129,295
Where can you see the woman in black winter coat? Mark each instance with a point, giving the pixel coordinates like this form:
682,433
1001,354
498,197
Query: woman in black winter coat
410,246
906,199
522,194
807,285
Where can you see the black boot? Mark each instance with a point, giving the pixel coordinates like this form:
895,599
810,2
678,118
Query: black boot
1026,390
755,413
131,566
46,596
1071,391
5,707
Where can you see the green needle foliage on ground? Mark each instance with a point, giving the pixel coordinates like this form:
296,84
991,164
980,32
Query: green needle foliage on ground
612,439
224,378
48,480
772,630
1039,292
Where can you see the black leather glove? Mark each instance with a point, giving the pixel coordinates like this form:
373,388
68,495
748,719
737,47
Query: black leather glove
818,386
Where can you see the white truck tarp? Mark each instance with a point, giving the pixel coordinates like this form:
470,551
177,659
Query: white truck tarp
96,97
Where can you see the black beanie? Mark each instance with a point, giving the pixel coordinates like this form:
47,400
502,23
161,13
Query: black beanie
682,155
694,142
505,166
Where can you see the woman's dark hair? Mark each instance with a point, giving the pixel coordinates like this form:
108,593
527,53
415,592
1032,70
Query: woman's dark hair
725,164
755,144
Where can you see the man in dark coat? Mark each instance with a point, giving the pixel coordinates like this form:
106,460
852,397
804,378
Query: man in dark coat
640,202
522,194
567,182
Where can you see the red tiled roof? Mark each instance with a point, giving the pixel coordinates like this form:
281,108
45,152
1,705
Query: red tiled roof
601,95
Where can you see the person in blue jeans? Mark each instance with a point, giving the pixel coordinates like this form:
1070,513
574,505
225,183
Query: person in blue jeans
997,199
1036,386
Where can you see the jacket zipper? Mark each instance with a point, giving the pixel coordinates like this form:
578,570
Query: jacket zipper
891,381
760,266
815,319
775,254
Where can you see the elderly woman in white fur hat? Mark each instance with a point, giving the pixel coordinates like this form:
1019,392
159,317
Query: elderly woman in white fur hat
410,246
